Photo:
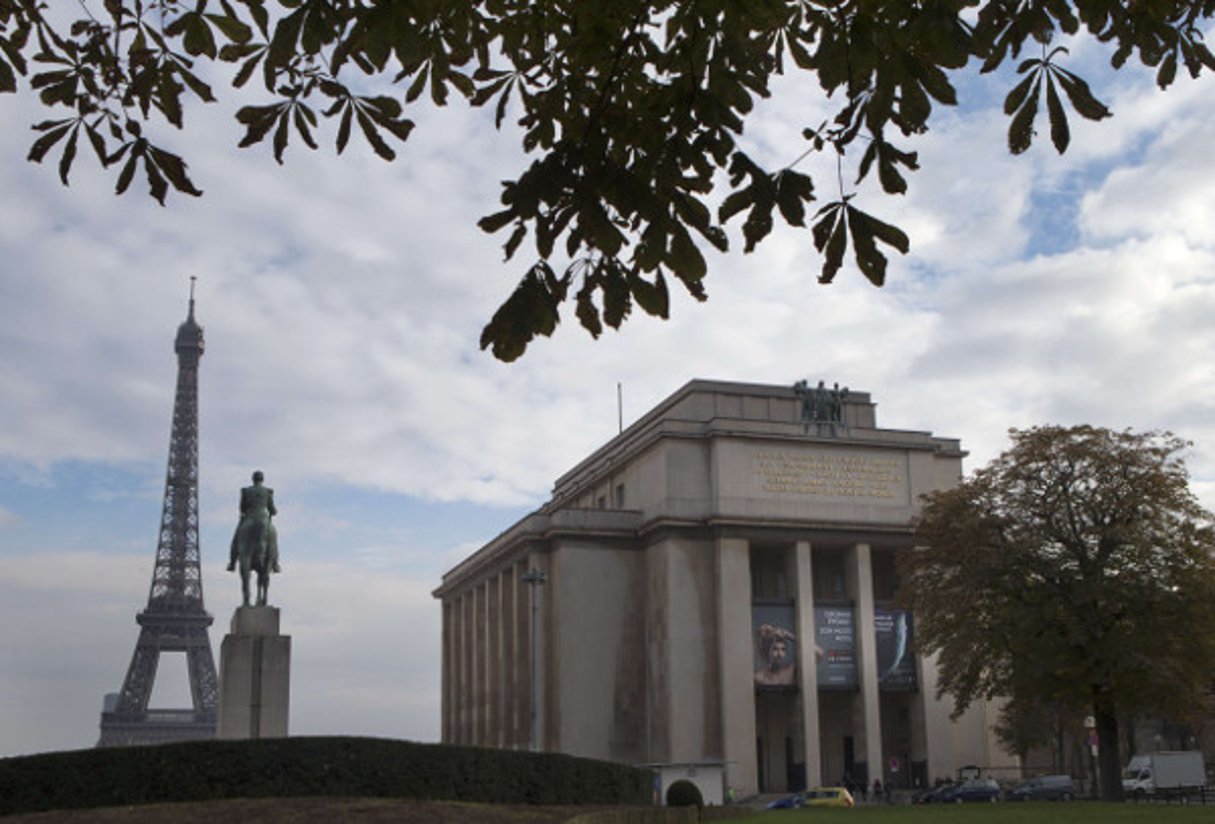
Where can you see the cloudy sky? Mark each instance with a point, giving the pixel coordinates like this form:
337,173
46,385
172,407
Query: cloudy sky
343,298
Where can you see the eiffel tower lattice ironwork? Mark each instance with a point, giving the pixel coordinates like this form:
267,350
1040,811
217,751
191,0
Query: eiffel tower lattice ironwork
174,619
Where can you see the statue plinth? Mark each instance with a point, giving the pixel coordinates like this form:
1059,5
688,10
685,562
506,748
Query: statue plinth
254,676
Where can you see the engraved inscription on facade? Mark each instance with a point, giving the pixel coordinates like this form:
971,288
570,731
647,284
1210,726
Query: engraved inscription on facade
830,474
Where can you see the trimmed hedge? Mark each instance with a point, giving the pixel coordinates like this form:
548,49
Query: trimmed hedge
329,766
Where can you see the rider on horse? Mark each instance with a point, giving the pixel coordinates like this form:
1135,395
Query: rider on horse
255,543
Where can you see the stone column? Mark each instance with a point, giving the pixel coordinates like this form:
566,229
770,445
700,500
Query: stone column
541,632
480,693
510,675
808,671
467,676
861,571
938,726
254,676
445,675
457,670
523,662
493,674
735,663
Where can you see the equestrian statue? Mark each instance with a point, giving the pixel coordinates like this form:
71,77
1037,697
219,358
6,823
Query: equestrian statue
255,543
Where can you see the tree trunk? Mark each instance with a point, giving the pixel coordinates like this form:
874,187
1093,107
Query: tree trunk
1132,746
1109,763
1058,758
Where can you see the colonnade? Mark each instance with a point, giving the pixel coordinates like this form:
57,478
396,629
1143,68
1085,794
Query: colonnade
743,727
487,687
487,678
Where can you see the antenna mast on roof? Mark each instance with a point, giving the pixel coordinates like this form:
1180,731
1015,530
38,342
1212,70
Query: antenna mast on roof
619,408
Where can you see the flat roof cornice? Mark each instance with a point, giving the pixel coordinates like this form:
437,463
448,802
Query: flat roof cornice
537,531
666,420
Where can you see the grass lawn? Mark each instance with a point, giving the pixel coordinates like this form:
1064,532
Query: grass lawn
1078,812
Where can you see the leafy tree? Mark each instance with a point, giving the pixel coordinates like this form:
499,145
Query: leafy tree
1074,570
631,112
1026,724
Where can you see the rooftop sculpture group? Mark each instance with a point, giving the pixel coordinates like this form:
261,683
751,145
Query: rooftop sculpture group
821,405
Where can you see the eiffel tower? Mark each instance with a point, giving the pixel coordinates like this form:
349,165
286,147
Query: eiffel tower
174,619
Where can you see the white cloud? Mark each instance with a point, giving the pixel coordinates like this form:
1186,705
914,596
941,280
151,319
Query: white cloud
1170,191
365,650
67,646
1105,336
341,328
365,657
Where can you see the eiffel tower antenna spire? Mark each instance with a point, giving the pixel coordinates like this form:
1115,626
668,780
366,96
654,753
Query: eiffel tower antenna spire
174,619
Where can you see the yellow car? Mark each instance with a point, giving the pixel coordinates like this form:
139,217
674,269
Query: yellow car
827,797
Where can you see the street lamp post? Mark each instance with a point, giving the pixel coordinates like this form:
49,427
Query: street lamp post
535,578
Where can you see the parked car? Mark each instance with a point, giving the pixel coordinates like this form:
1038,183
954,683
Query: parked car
828,797
789,802
815,797
1044,788
931,795
975,789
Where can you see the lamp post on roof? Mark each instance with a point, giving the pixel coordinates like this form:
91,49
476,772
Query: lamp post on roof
535,578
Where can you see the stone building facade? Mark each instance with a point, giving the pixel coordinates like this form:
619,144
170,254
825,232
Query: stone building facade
718,586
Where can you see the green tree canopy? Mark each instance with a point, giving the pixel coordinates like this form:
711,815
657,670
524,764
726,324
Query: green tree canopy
1076,569
631,113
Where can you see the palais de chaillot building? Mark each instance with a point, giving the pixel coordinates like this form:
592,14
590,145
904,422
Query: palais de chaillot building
712,590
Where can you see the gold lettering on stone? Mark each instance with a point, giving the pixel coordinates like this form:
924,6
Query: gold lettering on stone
828,475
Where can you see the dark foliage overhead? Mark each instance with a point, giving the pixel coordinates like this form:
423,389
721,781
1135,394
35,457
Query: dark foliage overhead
631,112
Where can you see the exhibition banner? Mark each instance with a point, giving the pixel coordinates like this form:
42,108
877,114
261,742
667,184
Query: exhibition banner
895,649
774,644
835,637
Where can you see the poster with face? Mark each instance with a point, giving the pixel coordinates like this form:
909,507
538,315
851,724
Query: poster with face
774,645
835,635
895,649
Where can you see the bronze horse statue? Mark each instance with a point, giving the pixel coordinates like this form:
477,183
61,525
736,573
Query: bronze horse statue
255,543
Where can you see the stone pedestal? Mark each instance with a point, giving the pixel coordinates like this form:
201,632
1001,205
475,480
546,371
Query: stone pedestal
254,676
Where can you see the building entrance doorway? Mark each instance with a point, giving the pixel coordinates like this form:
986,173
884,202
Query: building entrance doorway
780,752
